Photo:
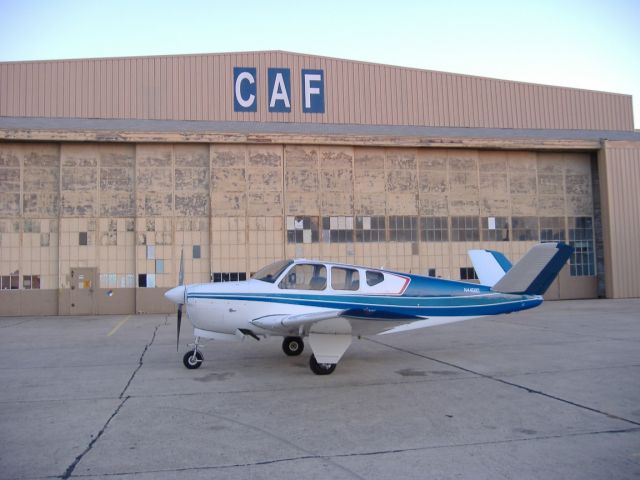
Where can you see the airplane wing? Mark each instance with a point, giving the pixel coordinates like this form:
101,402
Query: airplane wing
287,323
359,321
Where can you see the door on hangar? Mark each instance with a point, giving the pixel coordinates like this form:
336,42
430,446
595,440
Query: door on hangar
83,287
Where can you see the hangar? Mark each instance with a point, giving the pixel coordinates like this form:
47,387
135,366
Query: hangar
110,168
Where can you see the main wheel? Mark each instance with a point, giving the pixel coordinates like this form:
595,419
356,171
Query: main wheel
321,368
292,346
192,359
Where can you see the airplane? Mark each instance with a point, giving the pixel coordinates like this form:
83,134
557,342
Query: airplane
330,303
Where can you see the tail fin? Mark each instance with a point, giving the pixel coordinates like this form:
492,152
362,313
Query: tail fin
490,266
533,274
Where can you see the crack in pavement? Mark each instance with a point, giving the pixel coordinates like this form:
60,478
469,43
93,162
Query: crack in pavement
69,471
506,382
364,454
140,360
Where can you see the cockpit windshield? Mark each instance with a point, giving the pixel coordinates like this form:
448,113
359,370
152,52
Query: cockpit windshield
270,273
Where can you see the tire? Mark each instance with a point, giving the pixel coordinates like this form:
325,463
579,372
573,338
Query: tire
190,362
321,368
292,346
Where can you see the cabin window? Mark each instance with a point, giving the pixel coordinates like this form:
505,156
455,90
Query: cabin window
374,278
305,277
344,278
270,273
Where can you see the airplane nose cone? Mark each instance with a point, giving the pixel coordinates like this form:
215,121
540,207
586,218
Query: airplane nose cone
176,295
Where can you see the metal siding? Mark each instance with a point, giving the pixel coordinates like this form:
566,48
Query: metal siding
622,227
200,87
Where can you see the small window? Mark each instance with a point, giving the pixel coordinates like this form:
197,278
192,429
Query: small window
465,229
524,229
468,273
552,229
432,272
344,279
196,251
82,238
142,280
370,229
31,282
10,282
374,278
159,266
495,229
151,252
305,277
434,229
228,277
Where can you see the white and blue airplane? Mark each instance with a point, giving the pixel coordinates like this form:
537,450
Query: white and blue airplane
330,303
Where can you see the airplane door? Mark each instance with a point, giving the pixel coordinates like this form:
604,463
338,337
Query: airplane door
83,286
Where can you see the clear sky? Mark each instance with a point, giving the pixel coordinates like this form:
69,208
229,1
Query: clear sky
584,44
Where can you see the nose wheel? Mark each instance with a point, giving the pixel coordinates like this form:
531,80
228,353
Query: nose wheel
192,359
292,346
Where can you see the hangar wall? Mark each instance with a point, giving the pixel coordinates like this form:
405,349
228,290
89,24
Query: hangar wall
100,227
619,164
200,87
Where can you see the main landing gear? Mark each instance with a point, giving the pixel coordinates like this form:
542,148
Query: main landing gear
321,368
292,346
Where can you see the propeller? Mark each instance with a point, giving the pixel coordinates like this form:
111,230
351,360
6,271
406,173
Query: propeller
180,283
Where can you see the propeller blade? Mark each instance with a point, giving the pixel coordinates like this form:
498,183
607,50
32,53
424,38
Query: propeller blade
181,274
178,332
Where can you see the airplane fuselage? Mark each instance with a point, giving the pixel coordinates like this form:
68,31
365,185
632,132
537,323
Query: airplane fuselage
228,307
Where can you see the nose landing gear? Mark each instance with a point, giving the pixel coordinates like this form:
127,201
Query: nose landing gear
193,358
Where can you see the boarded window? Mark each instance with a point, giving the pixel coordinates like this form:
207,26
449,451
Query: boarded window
302,230
370,229
495,229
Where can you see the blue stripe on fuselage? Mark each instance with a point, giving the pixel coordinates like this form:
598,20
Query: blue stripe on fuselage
379,306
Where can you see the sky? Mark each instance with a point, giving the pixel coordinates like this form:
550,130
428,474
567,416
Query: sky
583,44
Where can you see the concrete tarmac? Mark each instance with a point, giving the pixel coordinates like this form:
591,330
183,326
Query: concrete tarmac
551,393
